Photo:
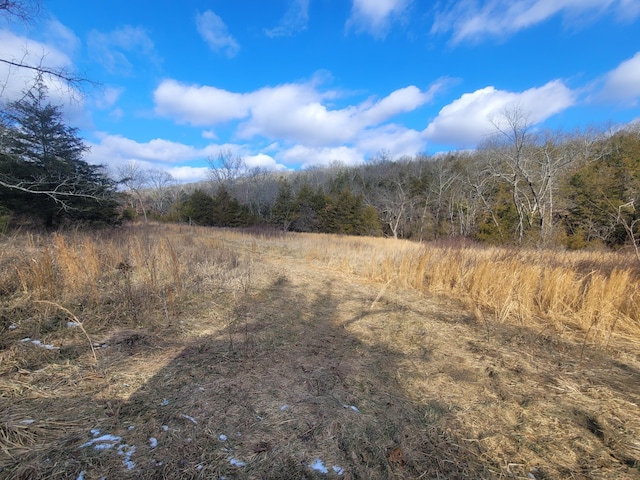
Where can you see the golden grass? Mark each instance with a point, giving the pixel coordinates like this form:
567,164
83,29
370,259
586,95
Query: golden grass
271,339
594,292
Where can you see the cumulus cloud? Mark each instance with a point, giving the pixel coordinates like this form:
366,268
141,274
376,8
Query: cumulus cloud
114,151
472,20
623,83
293,112
293,21
467,121
375,16
264,161
214,31
397,140
119,149
304,156
114,48
198,105
16,80
186,174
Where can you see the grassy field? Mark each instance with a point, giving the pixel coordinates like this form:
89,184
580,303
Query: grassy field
168,351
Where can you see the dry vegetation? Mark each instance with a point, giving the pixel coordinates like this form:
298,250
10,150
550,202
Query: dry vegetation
178,352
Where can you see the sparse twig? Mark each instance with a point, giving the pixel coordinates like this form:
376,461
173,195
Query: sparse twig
75,319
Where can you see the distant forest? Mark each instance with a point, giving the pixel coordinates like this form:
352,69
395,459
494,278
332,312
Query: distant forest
523,186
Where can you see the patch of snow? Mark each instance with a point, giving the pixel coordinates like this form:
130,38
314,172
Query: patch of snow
236,463
284,407
201,389
102,443
27,422
127,451
13,326
199,467
318,466
81,475
223,437
95,432
351,407
72,324
165,428
153,442
131,427
38,343
191,419
338,470
164,402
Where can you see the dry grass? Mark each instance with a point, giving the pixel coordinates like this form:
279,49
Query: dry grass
384,359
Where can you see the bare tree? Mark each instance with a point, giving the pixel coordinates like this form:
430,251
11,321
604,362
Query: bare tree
225,169
135,179
160,183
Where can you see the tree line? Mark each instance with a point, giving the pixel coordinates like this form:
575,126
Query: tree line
522,186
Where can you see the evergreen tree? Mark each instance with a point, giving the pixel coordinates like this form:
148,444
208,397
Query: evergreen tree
199,208
42,172
284,210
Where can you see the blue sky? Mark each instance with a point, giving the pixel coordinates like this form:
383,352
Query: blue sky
288,84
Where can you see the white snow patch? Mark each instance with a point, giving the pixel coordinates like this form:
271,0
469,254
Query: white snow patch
319,466
351,407
223,437
102,443
153,442
72,324
164,402
338,470
191,419
27,421
38,343
165,428
236,463
95,432
127,451
284,407
13,326
81,475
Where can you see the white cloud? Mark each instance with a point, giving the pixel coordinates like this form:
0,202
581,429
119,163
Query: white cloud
16,80
262,160
397,140
213,31
188,174
467,121
471,20
304,156
294,112
109,97
63,37
113,49
623,83
198,105
293,21
374,16
209,134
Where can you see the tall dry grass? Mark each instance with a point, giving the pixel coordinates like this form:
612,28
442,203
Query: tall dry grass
594,293
130,276
134,270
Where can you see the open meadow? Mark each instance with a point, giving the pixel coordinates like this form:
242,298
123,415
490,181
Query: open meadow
169,351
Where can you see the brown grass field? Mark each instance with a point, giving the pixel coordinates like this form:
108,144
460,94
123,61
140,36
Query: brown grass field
167,351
